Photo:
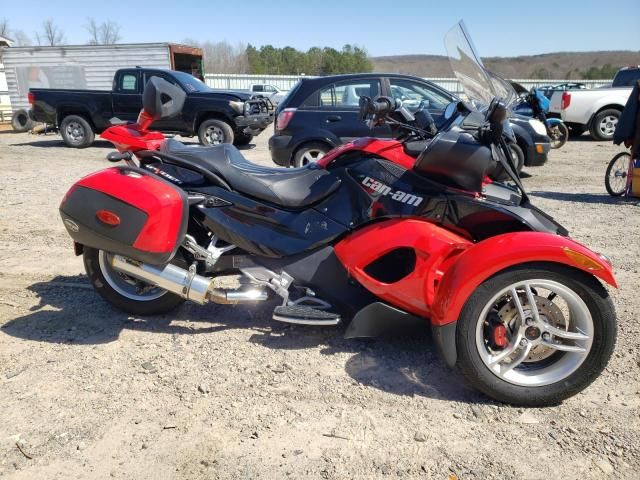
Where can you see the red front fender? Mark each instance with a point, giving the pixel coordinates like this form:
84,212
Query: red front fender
490,256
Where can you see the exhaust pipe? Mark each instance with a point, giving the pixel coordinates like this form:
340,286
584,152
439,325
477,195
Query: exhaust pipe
185,283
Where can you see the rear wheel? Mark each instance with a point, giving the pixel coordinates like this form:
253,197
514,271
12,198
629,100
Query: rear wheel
536,334
76,131
604,124
617,176
21,122
559,134
310,153
215,132
125,292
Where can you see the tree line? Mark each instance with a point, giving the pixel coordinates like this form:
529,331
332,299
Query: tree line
50,34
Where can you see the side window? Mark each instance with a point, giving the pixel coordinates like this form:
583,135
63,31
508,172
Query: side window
257,88
269,88
412,94
147,76
129,83
347,94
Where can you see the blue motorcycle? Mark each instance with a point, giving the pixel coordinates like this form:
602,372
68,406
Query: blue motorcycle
534,104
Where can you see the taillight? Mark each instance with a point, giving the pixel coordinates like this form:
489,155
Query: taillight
566,100
31,97
284,117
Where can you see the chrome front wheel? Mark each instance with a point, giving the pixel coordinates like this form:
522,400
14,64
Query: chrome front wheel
535,334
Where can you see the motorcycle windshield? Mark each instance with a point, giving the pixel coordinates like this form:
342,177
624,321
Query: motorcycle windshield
479,84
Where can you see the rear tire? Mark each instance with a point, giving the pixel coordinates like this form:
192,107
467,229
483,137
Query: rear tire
21,122
534,389
310,153
215,132
76,131
113,287
604,124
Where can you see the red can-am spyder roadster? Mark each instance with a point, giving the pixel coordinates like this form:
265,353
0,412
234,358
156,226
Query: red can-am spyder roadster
377,233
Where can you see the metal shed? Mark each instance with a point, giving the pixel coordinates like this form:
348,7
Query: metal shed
86,66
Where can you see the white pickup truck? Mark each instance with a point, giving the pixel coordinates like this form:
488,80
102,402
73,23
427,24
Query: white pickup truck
598,109
267,90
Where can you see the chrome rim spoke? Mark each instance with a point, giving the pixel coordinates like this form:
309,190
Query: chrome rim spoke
563,347
558,332
524,353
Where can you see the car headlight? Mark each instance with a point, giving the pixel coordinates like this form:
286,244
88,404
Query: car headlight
538,126
238,107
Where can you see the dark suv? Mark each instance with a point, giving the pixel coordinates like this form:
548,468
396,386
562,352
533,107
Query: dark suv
321,113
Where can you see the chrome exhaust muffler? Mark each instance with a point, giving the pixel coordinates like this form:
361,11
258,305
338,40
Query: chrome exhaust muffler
186,283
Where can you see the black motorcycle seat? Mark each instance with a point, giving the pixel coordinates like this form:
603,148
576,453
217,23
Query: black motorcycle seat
416,147
288,187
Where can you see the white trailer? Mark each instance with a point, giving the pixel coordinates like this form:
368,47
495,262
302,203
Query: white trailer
87,66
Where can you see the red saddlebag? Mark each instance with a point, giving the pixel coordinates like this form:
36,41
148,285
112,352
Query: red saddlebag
127,211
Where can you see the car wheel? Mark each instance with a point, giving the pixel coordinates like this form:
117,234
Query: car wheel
604,124
21,122
536,334
499,174
76,131
215,132
310,153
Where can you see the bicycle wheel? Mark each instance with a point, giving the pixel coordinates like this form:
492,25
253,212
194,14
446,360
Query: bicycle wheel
616,180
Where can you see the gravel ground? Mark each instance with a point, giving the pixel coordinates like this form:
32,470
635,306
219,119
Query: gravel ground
225,392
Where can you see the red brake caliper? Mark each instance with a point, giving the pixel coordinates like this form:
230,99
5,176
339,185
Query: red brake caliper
499,334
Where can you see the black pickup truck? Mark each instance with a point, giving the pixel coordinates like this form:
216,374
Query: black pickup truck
215,116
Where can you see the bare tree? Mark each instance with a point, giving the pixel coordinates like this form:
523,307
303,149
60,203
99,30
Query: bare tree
21,39
4,27
51,34
106,33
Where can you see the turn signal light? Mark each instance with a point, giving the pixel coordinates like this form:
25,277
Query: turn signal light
108,218
581,259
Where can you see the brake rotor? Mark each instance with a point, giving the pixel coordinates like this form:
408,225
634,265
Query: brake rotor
549,313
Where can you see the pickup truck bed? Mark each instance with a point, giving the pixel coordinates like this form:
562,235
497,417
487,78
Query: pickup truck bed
215,116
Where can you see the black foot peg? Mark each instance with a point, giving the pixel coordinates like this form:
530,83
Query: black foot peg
304,315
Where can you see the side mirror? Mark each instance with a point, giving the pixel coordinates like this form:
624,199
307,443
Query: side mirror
162,99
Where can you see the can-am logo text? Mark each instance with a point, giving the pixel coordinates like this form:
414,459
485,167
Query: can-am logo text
387,191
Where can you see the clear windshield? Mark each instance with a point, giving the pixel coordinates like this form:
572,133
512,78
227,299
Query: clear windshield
479,84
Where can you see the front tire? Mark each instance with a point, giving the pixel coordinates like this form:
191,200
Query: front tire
535,362
215,132
604,124
517,155
617,176
76,131
124,292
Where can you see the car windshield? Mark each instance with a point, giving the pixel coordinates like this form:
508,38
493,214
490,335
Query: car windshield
479,84
190,83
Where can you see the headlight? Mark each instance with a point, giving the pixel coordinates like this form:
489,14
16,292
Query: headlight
238,107
538,126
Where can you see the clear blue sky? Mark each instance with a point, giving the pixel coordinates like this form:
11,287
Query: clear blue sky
499,28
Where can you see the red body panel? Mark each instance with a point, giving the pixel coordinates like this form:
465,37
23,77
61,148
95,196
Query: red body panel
160,201
434,248
490,256
135,136
391,150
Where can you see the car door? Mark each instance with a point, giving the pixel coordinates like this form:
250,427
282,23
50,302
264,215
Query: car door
413,93
335,108
127,95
